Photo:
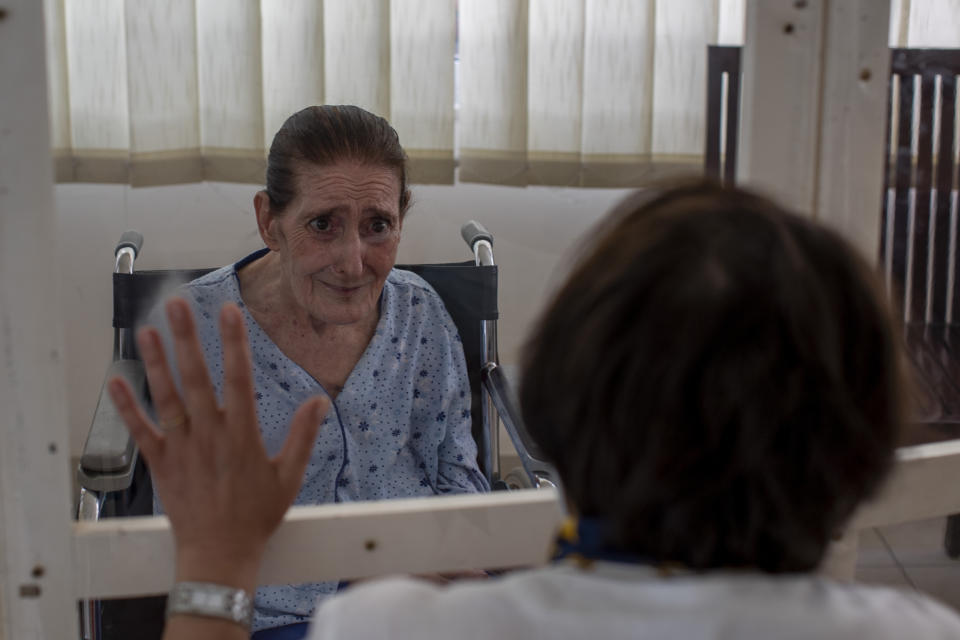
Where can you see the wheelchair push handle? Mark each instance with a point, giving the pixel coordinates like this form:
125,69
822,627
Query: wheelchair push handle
480,242
473,232
132,239
127,251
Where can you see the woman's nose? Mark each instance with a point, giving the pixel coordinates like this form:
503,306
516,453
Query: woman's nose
350,257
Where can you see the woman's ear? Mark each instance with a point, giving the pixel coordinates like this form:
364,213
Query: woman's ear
266,220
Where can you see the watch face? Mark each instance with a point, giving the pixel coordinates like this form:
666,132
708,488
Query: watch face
210,600
214,600
241,607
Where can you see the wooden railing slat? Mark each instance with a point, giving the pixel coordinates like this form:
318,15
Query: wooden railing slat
921,215
903,179
714,113
733,118
944,180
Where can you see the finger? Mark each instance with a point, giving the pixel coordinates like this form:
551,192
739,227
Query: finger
293,458
198,393
434,578
167,404
238,399
148,439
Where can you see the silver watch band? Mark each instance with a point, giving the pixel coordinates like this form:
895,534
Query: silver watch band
211,601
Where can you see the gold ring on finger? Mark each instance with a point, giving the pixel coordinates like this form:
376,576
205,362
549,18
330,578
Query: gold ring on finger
173,423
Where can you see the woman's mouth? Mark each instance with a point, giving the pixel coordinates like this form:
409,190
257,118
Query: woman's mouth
341,290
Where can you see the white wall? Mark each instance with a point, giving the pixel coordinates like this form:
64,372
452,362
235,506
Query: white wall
211,224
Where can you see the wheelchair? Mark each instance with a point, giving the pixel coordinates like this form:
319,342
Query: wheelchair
114,481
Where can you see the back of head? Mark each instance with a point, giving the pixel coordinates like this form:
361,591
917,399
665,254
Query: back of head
324,135
717,382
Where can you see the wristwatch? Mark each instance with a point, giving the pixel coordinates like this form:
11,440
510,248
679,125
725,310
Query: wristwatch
210,601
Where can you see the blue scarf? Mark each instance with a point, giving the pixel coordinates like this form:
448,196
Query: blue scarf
586,540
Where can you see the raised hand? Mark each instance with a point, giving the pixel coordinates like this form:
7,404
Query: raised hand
223,494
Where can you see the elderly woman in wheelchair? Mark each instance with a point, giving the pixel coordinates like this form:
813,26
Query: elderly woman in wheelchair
718,385
327,314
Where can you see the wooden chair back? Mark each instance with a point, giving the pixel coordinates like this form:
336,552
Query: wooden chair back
920,183
723,113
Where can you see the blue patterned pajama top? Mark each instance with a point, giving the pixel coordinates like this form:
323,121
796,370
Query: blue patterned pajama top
399,428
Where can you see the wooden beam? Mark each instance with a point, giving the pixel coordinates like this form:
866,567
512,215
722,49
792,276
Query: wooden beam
856,77
925,484
814,106
781,99
134,556
35,562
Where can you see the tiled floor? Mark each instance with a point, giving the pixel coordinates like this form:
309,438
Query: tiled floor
910,556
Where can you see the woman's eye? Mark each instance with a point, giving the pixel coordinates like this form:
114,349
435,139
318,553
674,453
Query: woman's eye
379,227
320,224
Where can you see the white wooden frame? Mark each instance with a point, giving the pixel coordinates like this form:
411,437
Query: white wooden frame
36,598
814,108
925,483
461,532
47,562
339,541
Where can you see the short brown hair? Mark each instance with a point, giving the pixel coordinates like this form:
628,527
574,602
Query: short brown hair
326,134
718,381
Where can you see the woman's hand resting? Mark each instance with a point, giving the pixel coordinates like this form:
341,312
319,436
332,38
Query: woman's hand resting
223,494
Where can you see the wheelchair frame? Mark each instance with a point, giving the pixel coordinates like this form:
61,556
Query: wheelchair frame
109,461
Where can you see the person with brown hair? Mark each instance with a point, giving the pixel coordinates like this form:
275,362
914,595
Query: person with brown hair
743,393
326,313
718,384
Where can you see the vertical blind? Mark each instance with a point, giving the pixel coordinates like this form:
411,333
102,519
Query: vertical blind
560,92
169,91
925,24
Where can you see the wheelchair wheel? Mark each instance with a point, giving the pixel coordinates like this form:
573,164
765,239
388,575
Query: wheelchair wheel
517,479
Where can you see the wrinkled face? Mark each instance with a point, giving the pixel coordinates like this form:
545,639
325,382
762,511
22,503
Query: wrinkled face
337,239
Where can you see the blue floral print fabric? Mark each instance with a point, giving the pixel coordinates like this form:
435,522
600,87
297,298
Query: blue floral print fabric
399,428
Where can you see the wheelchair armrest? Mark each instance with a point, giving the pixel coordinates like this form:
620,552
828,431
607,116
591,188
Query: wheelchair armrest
110,454
540,472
